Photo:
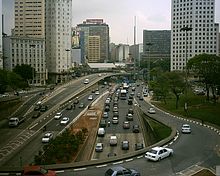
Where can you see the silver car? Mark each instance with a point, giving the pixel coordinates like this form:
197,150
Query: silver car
119,170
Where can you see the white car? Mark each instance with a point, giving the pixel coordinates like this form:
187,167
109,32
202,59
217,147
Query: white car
97,92
99,147
58,115
158,153
90,97
64,121
47,137
115,120
186,128
151,111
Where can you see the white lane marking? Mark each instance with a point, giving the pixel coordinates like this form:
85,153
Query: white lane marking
129,160
140,156
104,165
61,171
80,169
33,126
120,162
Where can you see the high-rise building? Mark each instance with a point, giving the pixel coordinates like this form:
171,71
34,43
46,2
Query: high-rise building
93,49
29,18
156,45
1,50
193,30
27,43
94,27
58,37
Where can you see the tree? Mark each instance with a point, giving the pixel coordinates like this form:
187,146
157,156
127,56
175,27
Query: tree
16,81
25,71
3,81
176,84
207,67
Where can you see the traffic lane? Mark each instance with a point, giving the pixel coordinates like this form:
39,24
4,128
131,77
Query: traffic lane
25,155
70,89
133,138
198,147
201,146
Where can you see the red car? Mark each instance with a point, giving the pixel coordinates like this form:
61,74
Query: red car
37,170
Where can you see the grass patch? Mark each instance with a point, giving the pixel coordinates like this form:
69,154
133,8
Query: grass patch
198,108
160,131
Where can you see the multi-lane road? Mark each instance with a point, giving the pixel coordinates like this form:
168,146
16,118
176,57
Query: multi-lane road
199,149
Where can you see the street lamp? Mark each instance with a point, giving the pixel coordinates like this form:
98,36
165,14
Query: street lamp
148,65
33,57
67,63
186,29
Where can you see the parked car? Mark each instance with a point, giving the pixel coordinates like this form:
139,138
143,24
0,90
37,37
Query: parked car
139,146
37,170
151,111
136,129
111,154
186,128
64,120
119,170
47,137
99,147
58,115
125,145
158,153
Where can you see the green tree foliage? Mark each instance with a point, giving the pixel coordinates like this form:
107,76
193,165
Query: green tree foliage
207,67
62,148
176,83
11,80
25,71
3,81
159,84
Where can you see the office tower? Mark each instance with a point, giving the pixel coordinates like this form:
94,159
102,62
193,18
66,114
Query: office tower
94,49
29,18
58,38
156,45
1,24
94,27
193,30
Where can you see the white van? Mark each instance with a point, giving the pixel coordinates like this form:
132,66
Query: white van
101,132
113,140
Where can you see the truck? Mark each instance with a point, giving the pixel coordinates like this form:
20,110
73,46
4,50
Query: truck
15,121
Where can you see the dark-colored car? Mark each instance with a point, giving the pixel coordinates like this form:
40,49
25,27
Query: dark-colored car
139,146
119,170
136,129
125,145
43,108
69,107
36,114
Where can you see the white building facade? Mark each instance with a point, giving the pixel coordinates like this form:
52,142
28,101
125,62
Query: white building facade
193,31
29,51
58,37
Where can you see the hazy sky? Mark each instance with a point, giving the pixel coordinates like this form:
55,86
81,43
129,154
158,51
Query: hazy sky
118,14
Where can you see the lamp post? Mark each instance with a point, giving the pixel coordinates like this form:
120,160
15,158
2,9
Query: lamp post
186,29
148,65
67,63
33,57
